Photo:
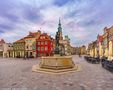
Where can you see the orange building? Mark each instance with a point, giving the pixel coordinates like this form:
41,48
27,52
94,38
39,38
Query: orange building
30,43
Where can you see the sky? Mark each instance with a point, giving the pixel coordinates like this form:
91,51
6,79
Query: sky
82,20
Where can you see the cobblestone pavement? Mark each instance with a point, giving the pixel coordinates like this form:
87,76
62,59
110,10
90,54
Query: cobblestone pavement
16,74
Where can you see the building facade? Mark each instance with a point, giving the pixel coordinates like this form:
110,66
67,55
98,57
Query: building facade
9,50
99,46
110,44
30,43
2,42
105,42
103,45
19,48
83,50
44,45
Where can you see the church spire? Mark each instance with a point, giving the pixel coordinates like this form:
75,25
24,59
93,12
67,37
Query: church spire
59,22
59,26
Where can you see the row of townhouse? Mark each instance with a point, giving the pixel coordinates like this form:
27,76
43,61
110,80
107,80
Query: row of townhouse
103,46
33,45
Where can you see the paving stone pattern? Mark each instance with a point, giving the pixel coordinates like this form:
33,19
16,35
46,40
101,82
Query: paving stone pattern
16,74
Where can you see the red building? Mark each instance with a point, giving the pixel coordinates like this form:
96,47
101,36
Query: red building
44,45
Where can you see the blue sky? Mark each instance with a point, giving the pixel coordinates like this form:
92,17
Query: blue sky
82,20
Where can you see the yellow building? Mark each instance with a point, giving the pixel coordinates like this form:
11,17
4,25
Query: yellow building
105,42
110,57
100,50
93,49
83,50
110,51
100,47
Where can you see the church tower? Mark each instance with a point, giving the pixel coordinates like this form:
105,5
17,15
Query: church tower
60,30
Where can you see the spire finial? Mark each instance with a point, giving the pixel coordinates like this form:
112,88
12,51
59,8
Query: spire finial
59,19
59,22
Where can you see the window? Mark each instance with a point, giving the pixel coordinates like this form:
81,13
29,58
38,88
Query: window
42,48
42,43
30,46
46,48
45,42
38,55
27,47
51,48
38,48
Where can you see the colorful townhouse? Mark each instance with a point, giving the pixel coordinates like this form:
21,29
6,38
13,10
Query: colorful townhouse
105,42
44,45
110,44
83,50
30,43
65,46
9,50
92,49
99,46
6,49
19,48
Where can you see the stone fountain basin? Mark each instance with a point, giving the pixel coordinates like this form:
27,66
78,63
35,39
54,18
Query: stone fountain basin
56,64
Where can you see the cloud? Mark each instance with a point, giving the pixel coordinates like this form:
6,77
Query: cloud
82,20
61,2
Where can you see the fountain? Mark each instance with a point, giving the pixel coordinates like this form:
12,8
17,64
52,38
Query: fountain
56,63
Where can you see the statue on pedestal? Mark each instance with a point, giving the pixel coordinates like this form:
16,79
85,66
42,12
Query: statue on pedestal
57,50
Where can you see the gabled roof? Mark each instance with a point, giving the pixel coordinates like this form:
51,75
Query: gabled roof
20,41
47,37
33,34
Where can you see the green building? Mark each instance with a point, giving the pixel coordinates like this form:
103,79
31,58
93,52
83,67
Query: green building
19,48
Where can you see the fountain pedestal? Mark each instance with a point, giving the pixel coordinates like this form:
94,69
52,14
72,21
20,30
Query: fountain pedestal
55,64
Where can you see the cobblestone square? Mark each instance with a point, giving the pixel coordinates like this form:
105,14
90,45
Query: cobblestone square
16,74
